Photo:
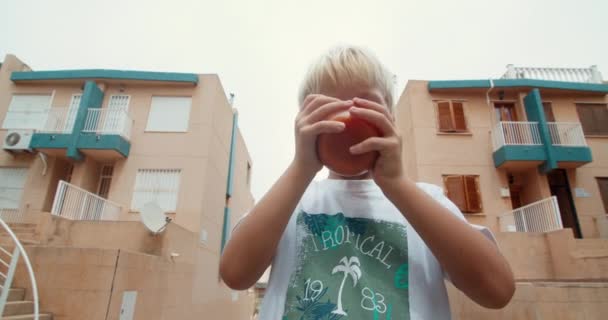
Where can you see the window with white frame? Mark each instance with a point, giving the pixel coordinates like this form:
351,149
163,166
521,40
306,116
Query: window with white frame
169,114
27,111
113,118
159,185
12,181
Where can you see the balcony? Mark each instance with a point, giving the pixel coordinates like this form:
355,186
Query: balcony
104,135
74,203
569,144
539,216
54,136
517,145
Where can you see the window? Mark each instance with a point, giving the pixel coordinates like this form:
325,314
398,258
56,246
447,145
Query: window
169,114
72,112
27,112
505,111
450,116
603,185
594,118
159,185
548,112
105,179
12,181
463,190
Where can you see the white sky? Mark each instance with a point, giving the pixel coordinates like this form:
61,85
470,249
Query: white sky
261,49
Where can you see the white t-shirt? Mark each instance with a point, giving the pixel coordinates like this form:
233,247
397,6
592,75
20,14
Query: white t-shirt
348,253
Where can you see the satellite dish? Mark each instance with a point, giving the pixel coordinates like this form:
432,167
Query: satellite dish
153,217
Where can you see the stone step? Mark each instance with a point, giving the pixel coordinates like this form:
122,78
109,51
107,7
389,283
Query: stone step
13,308
42,316
19,228
16,294
18,224
8,244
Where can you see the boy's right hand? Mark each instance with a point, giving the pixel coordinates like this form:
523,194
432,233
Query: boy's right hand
310,122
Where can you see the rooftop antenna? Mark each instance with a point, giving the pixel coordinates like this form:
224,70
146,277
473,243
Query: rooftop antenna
153,217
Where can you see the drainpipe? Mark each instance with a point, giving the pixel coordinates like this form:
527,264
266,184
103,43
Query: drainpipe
488,101
44,163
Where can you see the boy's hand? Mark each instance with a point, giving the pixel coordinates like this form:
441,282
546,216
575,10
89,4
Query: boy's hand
310,122
388,168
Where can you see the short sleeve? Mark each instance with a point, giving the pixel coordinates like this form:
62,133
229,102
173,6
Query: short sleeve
437,193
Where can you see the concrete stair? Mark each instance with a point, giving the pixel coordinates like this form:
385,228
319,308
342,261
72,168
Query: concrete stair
18,308
25,232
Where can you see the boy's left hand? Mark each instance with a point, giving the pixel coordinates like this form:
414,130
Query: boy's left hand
388,168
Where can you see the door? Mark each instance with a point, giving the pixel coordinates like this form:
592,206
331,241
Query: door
505,111
515,191
560,188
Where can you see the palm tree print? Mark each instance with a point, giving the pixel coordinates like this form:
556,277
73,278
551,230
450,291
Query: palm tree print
350,267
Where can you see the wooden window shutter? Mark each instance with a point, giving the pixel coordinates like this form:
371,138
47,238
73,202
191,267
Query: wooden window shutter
444,116
459,122
455,191
603,185
473,195
585,114
600,117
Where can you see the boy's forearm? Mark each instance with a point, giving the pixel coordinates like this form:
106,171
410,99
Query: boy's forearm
253,243
474,263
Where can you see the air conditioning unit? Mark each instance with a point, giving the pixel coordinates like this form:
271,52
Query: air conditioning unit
18,140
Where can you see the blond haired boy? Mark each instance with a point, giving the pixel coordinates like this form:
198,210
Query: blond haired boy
375,246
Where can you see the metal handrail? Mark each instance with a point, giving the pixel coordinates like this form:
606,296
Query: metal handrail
539,216
75,203
108,121
19,250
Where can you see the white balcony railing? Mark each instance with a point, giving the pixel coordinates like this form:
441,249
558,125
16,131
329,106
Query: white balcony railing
539,216
515,133
59,120
567,134
108,121
585,75
74,203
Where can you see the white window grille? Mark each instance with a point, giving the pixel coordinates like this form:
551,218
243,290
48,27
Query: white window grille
169,114
12,182
159,185
27,112
105,180
72,111
116,106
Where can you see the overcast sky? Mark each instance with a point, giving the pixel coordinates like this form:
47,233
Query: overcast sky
261,49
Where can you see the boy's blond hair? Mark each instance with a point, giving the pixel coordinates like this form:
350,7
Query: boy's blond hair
345,66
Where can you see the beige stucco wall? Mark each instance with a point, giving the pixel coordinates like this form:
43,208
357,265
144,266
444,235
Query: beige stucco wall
429,154
83,268
539,301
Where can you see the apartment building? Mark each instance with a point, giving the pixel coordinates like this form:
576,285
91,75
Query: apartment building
85,150
525,154
499,145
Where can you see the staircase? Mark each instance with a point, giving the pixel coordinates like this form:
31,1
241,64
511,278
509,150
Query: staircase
25,232
17,307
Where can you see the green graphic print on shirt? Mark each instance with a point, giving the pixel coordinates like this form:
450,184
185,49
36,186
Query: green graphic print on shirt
348,268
